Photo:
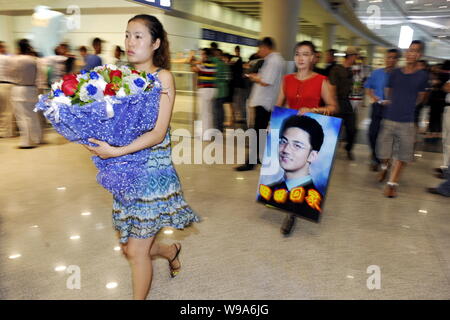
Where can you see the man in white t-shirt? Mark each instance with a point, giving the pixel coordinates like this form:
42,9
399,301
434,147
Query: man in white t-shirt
264,93
444,188
7,125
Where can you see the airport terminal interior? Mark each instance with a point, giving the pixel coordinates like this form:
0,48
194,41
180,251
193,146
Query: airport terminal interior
57,239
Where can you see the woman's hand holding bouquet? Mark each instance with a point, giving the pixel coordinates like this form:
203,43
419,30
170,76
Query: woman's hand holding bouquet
107,108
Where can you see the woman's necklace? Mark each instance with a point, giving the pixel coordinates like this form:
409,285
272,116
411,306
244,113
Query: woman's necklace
298,92
299,86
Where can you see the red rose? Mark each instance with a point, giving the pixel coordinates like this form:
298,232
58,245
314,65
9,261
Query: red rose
115,73
134,71
69,87
69,77
110,89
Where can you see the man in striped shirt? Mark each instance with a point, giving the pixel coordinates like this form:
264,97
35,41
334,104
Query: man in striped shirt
207,91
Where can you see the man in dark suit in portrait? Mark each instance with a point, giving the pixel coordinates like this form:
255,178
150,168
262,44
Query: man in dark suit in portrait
301,138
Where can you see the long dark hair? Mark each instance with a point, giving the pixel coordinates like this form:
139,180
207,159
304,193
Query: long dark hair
307,44
161,57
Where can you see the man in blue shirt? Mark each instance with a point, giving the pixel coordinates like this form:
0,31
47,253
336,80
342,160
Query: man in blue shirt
405,89
375,85
94,60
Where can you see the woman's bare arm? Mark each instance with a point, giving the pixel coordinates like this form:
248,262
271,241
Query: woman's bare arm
329,98
281,98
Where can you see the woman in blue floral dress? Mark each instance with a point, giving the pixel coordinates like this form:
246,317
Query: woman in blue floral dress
162,204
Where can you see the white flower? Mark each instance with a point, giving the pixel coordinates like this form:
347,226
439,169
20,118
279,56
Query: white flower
57,85
99,68
125,70
63,100
111,66
100,83
83,76
136,83
121,93
84,96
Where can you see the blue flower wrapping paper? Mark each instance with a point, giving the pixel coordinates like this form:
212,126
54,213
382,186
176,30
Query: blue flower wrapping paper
117,121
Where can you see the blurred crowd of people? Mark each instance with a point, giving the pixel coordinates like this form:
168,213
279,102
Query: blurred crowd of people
251,88
25,75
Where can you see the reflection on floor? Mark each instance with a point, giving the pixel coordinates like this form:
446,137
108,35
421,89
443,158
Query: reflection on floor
54,214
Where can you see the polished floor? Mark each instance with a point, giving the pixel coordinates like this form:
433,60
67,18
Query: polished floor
54,214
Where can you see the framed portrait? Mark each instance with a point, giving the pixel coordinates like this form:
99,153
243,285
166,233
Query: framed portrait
297,162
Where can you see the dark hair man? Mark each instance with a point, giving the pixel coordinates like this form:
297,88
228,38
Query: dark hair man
341,78
330,59
264,93
375,85
94,60
406,88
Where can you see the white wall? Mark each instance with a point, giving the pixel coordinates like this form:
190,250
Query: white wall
183,34
6,32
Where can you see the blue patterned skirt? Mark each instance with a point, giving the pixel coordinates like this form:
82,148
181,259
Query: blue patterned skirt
162,204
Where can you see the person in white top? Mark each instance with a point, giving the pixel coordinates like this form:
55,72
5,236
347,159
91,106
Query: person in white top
444,188
264,93
446,129
6,110
27,77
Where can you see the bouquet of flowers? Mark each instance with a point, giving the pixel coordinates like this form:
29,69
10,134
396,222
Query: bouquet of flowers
111,104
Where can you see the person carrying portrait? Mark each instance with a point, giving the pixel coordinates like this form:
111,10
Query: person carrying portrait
303,91
301,138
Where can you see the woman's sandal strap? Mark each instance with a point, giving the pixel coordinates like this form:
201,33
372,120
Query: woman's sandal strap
176,255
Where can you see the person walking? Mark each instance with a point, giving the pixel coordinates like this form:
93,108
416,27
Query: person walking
237,87
207,90
94,60
406,88
118,53
341,77
304,91
330,60
163,204
375,86
27,78
223,77
266,86
7,126
443,172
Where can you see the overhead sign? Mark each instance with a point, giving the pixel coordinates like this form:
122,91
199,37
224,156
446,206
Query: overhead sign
164,4
218,36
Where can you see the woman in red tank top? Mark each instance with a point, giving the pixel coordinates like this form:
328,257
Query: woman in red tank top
304,89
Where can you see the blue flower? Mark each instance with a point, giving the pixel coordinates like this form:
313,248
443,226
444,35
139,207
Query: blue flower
139,82
150,77
84,71
91,89
57,92
93,75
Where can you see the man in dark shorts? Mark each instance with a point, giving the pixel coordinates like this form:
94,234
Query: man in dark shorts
405,89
